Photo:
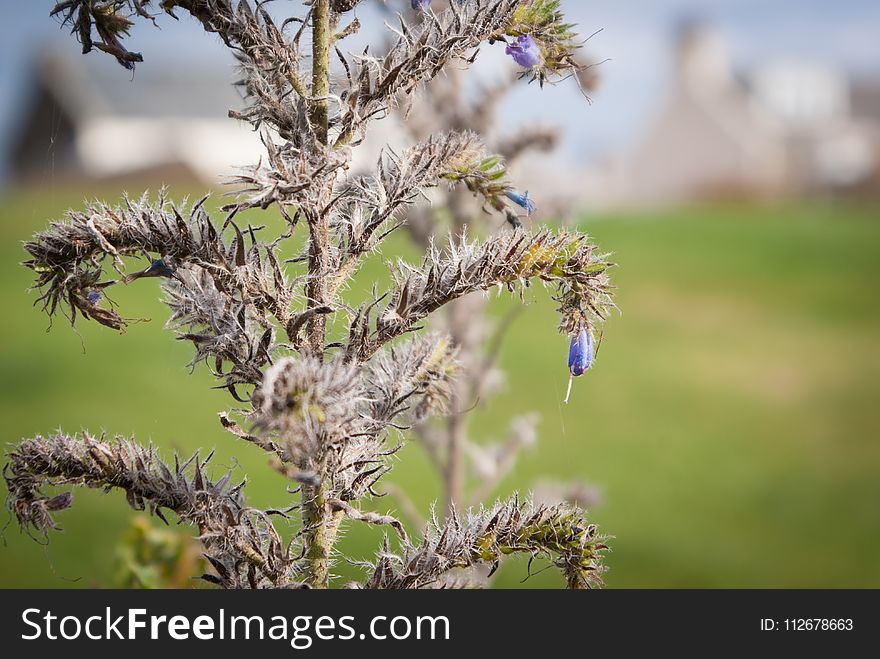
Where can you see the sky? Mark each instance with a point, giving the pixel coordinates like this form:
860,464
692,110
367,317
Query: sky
634,39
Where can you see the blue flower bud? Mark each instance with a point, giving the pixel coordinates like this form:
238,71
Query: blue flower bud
419,5
580,356
525,51
93,296
115,46
580,353
521,200
158,268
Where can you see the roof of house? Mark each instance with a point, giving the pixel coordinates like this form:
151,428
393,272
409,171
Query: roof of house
99,120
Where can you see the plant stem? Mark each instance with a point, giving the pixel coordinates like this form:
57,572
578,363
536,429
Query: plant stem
320,525
319,242
320,67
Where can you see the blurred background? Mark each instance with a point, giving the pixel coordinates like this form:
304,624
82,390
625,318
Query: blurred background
729,157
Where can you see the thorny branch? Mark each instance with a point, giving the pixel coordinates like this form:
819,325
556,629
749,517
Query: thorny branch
240,542
509,260
486,536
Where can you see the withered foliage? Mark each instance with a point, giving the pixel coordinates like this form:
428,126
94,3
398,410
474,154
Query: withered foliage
486,536
329,415
510,260
240,542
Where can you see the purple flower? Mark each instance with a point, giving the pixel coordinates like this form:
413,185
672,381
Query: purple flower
419,5
129,66
525,51
521,200
580,356
158,268
93,296
580,353
125,57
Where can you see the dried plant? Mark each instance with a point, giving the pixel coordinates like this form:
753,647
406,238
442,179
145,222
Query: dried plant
470,472
329,413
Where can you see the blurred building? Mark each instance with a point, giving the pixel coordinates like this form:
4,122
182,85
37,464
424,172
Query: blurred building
786,129
85,119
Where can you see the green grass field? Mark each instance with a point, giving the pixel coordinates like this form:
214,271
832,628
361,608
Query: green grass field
732,416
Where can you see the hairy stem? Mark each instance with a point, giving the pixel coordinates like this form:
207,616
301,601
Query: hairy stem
317,289
319,243
320,524
320,67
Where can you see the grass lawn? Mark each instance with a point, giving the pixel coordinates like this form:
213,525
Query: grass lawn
731,418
